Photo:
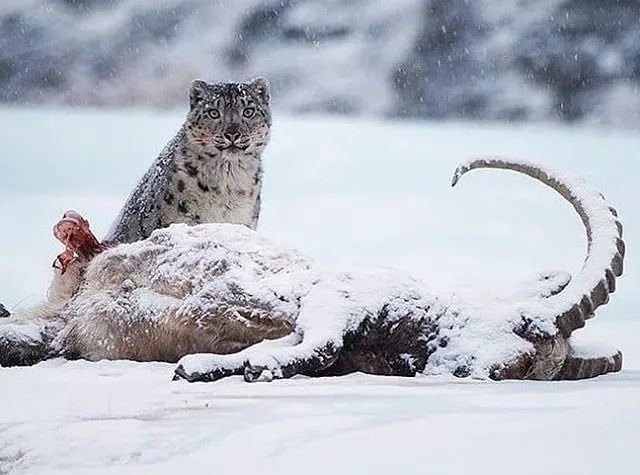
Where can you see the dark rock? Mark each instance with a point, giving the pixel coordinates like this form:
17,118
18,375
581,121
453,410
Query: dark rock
567,50
569,60
265,21
441,77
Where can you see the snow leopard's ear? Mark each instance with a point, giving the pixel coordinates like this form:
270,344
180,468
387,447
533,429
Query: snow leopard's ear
197,92
261,86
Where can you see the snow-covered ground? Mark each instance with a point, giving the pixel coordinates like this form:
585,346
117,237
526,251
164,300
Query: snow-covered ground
347,192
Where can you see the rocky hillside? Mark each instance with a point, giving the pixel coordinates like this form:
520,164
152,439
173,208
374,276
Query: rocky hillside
571,60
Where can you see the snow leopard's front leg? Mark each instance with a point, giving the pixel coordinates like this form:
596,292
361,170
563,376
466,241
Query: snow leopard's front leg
313,347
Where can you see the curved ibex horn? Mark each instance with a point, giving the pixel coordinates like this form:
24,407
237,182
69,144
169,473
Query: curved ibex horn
605,254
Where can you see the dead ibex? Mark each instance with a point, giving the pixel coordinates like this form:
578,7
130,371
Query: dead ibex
221,300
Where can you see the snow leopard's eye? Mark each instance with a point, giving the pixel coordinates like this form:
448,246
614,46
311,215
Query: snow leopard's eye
249,112
213,113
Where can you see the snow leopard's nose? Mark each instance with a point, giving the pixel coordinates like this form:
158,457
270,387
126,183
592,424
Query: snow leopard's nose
231,134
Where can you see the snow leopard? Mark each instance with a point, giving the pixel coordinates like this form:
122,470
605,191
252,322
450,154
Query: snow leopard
211,171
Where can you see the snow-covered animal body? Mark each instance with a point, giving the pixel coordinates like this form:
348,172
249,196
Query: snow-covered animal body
211,171
225,301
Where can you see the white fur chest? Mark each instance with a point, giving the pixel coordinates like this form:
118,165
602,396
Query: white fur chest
224,190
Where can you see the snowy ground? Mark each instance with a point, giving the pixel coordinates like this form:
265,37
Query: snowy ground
347,192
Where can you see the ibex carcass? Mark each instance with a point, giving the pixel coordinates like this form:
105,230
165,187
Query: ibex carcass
221,300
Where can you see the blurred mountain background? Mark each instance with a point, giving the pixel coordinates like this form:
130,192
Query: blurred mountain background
516,60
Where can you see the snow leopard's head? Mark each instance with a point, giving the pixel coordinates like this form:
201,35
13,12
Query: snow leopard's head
233,118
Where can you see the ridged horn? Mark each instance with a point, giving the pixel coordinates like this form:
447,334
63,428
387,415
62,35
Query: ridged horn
605,252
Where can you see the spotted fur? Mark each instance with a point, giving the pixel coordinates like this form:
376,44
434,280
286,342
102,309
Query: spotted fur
211,171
